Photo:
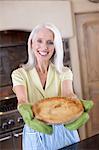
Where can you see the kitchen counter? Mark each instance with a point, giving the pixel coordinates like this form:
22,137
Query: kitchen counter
91,143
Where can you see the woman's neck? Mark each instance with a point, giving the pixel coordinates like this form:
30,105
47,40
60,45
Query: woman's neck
42,67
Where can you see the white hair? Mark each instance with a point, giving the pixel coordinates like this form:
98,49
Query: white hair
58,57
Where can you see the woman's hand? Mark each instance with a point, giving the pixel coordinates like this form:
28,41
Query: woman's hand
27,114
87,104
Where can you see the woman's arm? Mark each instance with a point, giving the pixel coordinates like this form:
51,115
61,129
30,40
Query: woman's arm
21,93
67,89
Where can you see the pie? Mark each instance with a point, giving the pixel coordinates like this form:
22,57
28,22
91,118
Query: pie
57,110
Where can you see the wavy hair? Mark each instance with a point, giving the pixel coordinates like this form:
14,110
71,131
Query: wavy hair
58,56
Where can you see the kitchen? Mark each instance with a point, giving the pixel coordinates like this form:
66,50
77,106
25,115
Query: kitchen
78,21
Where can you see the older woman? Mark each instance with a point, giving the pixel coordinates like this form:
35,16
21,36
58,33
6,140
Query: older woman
44,76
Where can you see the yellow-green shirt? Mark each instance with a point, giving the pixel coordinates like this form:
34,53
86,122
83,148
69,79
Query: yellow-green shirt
30,79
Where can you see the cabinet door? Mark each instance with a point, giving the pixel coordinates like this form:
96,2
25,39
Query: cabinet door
88,49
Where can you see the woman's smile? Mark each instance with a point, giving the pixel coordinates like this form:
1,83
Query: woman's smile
43,53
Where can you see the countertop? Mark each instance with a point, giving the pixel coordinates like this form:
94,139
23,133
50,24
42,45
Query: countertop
91,143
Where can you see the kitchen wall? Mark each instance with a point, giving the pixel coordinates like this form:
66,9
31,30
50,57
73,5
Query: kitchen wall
26,14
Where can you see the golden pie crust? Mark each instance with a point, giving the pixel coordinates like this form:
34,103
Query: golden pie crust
58,110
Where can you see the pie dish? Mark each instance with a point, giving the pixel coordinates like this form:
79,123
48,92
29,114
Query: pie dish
57,110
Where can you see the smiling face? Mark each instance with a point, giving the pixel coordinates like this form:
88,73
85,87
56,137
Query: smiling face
43,45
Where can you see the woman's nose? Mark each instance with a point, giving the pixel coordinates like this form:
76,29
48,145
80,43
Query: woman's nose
44,46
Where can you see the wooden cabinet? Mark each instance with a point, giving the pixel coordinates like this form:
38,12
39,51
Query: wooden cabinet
87,25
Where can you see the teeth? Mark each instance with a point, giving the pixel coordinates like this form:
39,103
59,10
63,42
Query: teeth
43,53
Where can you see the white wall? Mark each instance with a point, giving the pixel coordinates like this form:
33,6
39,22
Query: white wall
26,14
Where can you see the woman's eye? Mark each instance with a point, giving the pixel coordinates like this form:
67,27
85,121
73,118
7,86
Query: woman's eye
39,41
50,42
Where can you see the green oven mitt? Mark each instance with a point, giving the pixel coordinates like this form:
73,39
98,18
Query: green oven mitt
26,112
88,104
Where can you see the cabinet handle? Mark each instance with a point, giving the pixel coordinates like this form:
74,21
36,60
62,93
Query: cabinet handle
5,138
17,134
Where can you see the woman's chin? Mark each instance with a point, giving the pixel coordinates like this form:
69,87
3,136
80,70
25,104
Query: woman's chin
43,58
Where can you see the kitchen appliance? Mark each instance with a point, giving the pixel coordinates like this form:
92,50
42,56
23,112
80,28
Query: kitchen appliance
12,53
11,124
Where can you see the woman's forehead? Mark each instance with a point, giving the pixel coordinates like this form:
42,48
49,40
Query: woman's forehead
44,32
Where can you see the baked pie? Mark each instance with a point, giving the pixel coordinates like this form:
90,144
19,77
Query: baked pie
57,110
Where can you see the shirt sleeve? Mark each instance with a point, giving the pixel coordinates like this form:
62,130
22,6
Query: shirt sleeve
18,77
66,74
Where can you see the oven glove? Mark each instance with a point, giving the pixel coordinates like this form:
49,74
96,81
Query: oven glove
88,104
27,115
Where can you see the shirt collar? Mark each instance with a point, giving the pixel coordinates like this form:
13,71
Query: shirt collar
37,82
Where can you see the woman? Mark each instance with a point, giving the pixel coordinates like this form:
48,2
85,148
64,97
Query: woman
44,76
